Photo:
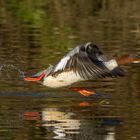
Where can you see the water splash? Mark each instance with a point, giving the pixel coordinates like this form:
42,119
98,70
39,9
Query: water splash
7,67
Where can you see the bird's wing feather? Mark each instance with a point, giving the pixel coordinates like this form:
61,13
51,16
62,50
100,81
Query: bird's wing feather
87,61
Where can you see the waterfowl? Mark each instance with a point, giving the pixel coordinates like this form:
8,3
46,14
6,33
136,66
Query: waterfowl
84,62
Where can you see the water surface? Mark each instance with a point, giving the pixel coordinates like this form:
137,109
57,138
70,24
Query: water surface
34,34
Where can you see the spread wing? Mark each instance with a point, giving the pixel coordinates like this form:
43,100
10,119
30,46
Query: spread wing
89,62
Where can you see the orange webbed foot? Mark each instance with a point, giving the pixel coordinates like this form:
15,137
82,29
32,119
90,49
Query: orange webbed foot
38,78
83,92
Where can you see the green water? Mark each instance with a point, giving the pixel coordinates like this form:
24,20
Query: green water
36,33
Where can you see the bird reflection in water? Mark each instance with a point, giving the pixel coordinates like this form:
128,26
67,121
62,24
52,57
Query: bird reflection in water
64,124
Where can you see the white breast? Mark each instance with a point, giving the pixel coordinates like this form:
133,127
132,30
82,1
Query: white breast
63,79
111,64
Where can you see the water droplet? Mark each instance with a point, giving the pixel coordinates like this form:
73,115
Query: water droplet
6,67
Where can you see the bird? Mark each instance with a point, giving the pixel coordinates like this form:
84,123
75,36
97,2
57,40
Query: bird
84,62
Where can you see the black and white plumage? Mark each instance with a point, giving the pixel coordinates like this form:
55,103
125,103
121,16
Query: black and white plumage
87,61
84,62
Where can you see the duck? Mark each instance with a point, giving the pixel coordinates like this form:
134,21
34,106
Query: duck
84,62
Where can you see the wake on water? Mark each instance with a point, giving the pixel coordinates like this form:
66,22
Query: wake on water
7,68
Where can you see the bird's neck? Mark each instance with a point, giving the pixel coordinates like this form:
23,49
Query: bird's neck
129,58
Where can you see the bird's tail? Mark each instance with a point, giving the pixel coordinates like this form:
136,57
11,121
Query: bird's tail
129,58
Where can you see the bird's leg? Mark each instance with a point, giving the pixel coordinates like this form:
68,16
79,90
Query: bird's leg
35,78
82,91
